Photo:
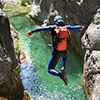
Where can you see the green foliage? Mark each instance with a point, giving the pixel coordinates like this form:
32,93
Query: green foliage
23,2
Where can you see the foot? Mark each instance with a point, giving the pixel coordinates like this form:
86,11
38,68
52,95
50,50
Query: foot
63,76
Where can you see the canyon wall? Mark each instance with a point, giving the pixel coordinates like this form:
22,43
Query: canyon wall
10,83
91,44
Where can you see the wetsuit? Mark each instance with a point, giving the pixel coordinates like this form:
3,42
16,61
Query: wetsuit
55,53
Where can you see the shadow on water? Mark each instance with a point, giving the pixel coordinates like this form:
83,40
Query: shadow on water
36,80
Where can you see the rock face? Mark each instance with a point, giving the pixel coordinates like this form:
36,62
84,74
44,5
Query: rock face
10,82
91,44
76,11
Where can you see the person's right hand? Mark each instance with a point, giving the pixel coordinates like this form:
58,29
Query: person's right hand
28,33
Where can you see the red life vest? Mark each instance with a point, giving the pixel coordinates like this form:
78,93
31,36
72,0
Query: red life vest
62,36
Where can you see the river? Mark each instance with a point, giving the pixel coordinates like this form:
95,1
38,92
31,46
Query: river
36,80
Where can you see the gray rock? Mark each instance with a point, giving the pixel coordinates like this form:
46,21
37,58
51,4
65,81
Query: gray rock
91,44
91,38
10,82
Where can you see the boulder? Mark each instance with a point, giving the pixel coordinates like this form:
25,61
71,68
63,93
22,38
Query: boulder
91,44
10,83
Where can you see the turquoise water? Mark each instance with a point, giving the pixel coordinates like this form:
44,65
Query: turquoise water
36,80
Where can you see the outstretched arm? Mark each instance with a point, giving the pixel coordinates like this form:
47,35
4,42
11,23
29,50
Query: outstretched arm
47,28
76,27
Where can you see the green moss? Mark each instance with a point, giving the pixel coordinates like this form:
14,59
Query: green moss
16,10
22,2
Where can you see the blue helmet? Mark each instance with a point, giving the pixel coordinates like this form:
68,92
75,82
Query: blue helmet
58,17
59,21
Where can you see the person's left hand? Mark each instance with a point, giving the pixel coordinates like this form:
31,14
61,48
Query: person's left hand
82,27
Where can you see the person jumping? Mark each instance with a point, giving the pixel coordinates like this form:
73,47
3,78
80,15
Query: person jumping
60,35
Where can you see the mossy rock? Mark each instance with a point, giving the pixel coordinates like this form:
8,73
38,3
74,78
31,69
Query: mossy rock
23,2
